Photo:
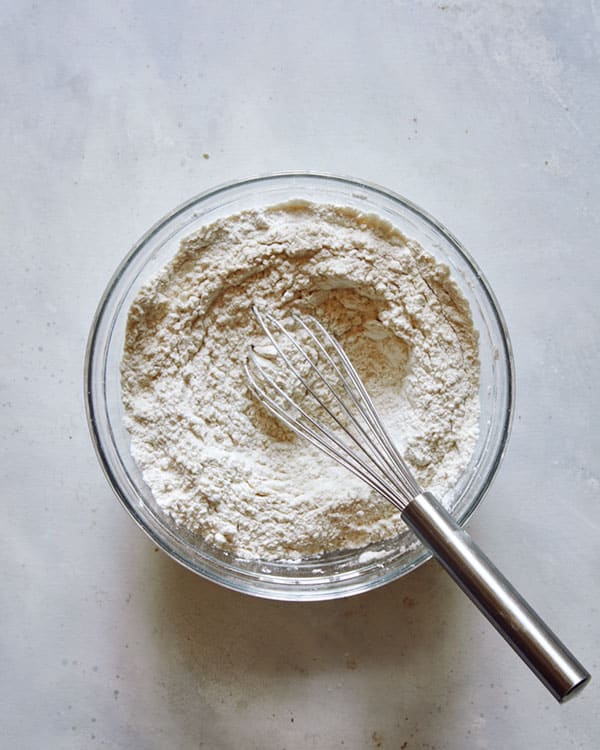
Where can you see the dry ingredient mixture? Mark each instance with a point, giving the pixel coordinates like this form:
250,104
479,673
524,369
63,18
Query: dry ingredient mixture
216,461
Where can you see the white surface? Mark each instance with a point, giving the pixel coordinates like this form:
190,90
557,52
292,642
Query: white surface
484,114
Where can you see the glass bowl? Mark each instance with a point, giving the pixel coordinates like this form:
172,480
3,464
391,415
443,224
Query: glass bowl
342,573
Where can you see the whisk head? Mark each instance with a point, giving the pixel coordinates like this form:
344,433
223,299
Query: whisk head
304,377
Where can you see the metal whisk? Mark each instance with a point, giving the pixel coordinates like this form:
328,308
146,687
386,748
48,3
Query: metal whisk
305,378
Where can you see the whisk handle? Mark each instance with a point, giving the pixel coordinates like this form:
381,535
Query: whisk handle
495,597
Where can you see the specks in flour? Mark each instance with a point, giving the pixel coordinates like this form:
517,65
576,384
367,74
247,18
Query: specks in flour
215,460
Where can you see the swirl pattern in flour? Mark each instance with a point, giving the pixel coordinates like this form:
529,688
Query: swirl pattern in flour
214,459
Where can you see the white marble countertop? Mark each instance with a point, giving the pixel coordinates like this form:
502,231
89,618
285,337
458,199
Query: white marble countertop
486,114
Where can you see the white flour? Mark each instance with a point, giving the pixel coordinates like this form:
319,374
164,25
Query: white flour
215,460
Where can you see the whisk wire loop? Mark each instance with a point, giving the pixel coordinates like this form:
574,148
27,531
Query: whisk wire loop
378,458
328,446
391,478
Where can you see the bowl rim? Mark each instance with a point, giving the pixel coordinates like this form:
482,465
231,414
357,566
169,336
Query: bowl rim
91,408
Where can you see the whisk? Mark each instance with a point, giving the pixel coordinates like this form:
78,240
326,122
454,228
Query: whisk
306,379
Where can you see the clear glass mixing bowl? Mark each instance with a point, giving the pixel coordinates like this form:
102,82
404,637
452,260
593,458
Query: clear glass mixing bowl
345,572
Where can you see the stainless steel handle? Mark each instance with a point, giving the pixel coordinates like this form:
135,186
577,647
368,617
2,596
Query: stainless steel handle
503,606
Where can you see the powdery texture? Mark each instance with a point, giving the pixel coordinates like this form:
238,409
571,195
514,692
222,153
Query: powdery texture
214,459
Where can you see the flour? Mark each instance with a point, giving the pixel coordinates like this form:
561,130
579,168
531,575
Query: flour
215,460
